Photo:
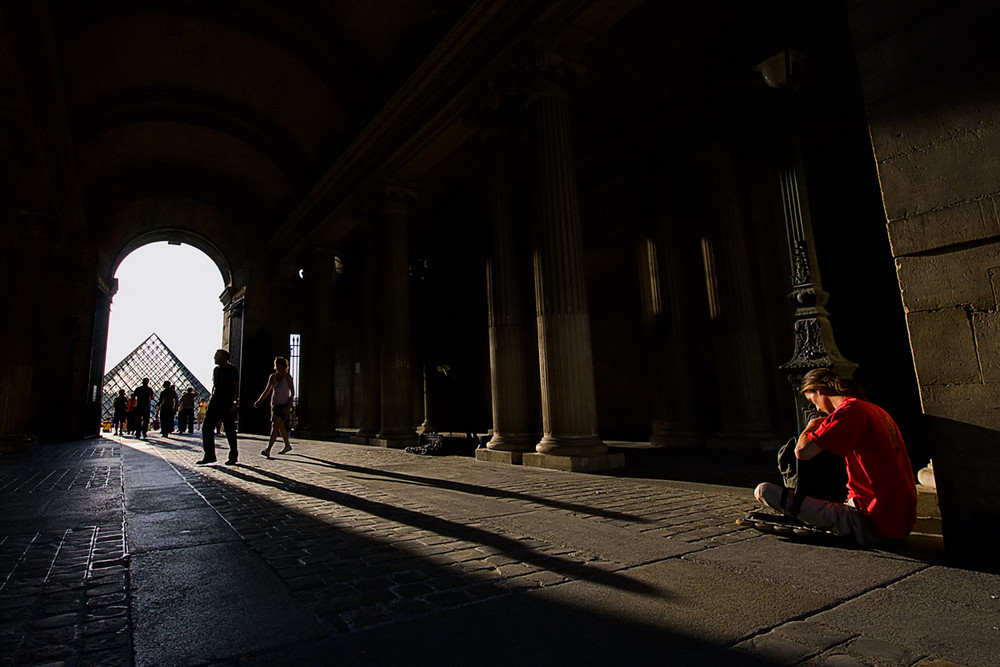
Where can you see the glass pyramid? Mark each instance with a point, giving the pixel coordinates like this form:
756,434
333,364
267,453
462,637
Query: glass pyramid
153,360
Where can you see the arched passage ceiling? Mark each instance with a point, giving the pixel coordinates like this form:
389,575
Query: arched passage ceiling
273,113
239,104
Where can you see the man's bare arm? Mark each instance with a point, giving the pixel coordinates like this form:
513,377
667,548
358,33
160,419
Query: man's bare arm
805,448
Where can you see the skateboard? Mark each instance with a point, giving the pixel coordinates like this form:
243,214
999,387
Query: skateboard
766,522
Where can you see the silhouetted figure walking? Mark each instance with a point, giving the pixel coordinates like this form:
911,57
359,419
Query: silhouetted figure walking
185,413
165,409
143,397
222,406
281,390
120,406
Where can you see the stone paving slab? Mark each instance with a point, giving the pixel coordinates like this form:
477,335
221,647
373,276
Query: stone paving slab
838,571
209,603
62,557
347,554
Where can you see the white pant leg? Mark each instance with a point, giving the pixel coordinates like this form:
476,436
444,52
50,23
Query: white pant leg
844,520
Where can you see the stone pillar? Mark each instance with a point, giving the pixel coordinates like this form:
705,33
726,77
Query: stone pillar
396,350
232,299
514,394
317,351
24,237
371,408
937,167
98,353
666,325
747,419
569,406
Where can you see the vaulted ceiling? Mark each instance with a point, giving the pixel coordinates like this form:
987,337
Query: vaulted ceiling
250,111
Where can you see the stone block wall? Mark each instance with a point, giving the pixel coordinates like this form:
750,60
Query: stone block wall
932,94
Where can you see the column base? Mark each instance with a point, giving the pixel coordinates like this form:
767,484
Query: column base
586,446
517,442
574,463
393,442
11,443
499,456
359,439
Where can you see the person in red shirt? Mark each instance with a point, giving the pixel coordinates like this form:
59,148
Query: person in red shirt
881,490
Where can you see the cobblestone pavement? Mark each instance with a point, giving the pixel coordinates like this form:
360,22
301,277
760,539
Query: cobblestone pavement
63,574
371,540
361,556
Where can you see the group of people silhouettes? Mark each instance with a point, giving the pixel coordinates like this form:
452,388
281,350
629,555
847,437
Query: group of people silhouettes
133,415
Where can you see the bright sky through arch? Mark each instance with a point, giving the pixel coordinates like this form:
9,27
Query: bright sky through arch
172,291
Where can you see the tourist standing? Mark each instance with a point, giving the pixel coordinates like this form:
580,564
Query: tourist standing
120,407
222,407
165,408
143,398
185,411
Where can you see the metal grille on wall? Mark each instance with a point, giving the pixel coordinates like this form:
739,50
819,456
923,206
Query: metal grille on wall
153,360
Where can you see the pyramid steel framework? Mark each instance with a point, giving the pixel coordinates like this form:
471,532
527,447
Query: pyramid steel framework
153,360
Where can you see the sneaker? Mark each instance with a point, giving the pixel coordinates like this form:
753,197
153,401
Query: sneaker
204,461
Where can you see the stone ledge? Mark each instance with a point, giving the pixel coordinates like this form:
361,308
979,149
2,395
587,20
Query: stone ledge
574,463
499,456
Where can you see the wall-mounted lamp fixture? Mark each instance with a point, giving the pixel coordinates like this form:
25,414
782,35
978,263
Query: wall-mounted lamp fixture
781,68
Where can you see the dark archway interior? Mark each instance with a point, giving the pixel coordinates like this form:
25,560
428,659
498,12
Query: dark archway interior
258,132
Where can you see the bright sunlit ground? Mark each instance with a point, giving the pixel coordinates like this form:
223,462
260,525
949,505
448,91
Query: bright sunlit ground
172,291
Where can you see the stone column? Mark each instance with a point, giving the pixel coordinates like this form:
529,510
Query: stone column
514,395
396,350
371,408
232,299
667,327
23,236
745,407
317,350
98,353
569,406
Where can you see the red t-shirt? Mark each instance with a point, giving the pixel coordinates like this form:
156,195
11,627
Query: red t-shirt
879,474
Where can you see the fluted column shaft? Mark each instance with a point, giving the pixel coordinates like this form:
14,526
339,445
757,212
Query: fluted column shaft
371,408
23,292
569,404
318,354
745,407
666,324
396,352
515,426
